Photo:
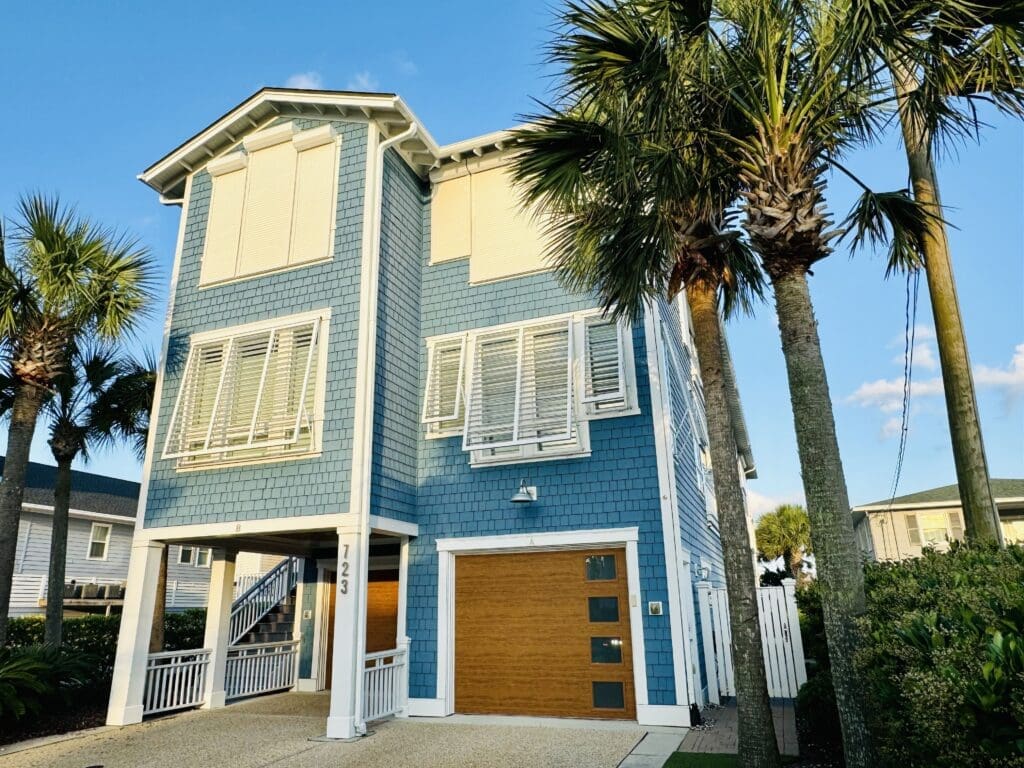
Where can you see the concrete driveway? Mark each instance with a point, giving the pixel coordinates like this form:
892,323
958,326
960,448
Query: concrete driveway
277,731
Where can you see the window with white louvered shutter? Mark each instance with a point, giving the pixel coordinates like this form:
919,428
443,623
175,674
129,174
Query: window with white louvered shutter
913,533
520,387
956,526
604,381
250,395
443,399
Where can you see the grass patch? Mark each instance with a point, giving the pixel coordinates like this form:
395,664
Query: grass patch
711,760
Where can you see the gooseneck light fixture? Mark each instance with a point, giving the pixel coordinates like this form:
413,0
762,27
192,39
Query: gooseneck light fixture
525,494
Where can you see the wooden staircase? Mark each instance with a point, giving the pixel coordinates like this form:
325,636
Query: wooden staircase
277,625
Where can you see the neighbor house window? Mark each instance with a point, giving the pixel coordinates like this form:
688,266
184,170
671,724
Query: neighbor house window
99,541
524,392
273,205
1013,531
185,555
203,555
932,529
251,393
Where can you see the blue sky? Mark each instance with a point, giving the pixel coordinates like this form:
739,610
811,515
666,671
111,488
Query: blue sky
108,88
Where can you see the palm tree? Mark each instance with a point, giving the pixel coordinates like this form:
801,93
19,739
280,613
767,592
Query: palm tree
940,58
785,532
640,210
67,277
97,400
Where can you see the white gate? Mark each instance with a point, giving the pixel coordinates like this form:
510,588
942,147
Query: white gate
780,640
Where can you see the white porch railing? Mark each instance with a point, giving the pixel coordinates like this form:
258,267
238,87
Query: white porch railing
244,583
260,668
175,680
385,683
257,601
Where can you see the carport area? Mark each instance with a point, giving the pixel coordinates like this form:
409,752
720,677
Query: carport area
280,731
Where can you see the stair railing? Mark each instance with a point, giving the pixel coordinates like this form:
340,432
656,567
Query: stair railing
261,598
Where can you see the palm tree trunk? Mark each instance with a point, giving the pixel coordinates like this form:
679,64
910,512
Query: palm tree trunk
156,634
53,628
981,518
757,745
28,400
795,561
839,566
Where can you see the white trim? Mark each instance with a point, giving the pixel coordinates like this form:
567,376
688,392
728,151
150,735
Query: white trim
306,685
932,505
80,514
403,593
106,541
321,615
266,324
661,409
242,527
426,708
449,548
584,539
161,372
390,525
663,715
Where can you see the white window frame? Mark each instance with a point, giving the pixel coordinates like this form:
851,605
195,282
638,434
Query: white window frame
219,456
182,549
203,557
583,409
93,540
238,159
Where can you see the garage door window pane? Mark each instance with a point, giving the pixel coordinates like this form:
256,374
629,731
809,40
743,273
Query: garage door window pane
600,567
609,696
606,650
604,608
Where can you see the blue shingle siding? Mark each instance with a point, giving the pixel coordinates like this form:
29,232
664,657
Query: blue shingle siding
310,486
617,486
397,389
698,538
305,626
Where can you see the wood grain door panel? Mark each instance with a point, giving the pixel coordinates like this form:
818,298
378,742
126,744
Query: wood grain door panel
523,635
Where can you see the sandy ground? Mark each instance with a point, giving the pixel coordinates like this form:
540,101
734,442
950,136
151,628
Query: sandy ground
277,731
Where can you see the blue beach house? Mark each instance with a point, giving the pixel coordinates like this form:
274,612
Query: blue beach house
489,498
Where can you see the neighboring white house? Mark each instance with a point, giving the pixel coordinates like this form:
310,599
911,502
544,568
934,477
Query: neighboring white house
902,527
100,527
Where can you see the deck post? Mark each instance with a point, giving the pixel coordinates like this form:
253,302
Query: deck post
218,621
129,680
345,718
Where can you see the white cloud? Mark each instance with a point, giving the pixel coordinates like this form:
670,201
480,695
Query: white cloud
887,394
921,333
892,427
1010,380
311,81
362,81
404,64
759,504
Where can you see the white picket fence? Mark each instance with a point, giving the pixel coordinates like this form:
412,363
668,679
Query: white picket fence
385,683
175,680
260,668
780,640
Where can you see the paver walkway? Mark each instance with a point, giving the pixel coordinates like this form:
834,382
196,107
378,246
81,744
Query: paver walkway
721,737
277,731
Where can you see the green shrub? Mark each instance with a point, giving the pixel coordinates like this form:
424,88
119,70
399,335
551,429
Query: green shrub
94,636
184,630
35,677
943,657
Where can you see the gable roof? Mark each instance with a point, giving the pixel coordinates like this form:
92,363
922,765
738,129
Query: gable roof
948,495
89,492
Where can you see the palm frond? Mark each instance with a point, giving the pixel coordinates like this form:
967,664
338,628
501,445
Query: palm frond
892,219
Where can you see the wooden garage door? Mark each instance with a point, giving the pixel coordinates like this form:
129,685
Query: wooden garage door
543,633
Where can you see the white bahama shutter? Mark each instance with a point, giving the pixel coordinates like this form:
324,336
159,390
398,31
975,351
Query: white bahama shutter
604,381
520,387
443,399
245,393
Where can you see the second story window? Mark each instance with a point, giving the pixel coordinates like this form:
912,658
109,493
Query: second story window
525,392
273,206
251,393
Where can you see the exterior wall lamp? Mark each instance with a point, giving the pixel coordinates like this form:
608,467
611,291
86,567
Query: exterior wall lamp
526,493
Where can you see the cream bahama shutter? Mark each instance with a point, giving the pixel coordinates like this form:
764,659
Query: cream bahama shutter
315,181
270,194
224,220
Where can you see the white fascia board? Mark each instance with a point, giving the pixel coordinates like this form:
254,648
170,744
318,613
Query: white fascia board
552,540
81,514
390,525
949,504
243,528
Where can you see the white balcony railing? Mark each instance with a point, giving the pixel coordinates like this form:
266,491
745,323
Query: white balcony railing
175,680
385,683
260,668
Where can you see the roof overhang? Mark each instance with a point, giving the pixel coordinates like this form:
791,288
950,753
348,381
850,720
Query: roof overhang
167,175
1003,504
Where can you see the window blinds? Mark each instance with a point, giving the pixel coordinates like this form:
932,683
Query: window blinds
247,393
604,382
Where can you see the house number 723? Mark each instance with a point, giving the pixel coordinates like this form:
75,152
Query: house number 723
343,571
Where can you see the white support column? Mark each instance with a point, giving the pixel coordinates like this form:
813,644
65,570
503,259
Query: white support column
129,680
218,621
345,720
